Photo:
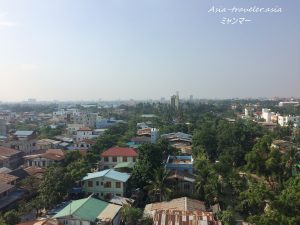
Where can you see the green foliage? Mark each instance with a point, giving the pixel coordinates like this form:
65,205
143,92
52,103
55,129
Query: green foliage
150,158
207,184
11,217
227,217
131,215
257,157
254,200
54,185
157,187
2,221
77,170
48,132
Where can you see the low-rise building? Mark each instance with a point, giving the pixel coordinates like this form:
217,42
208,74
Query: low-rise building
182,182
45,159
115,155
24,141
45,144
180,211
5,189
8,178
106,183
180,141
9,157
90,211
286,120
180,163
85,133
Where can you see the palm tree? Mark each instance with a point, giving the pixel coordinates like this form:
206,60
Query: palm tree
157,187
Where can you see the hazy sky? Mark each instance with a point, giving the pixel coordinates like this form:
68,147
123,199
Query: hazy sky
146,49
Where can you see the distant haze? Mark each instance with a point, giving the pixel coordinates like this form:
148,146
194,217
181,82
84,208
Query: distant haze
146,49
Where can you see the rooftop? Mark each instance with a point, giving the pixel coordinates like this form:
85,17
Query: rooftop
182,204
109,173
180,160
23,132
54,154
85,129
5,187
120,151
85,209
174,217
7,178
7,152
124,165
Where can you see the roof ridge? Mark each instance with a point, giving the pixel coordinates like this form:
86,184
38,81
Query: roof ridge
85,201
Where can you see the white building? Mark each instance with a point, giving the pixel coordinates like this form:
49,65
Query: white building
85,133
267,115
283,104
285,120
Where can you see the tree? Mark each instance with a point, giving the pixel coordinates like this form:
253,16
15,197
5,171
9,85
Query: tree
258,155
131,215
77,170
157,187
207,180
150,157
254,200
2,221
227,217
11,217
54,185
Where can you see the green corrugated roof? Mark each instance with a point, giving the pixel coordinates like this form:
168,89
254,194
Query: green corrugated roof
86,209
124,165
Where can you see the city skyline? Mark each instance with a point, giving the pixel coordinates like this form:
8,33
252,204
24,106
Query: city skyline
87,50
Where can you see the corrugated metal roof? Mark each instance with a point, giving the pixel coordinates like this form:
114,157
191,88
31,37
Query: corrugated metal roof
109,173
109,213
124,165
23,132
86,209
5,187
7,178
184,204
176,217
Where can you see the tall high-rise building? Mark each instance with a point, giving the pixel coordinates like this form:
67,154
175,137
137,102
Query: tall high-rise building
175,100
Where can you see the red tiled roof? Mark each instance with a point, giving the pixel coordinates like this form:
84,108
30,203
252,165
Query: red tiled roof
32,170
7,178
119,151
4,151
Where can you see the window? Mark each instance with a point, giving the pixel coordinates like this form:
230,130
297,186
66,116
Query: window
107,184
101,183
97,183
118,194
124,158
90,183
134,159
118,184
44,163
114,159
105,159
101,193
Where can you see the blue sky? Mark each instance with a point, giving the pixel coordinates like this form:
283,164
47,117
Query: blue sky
146,49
